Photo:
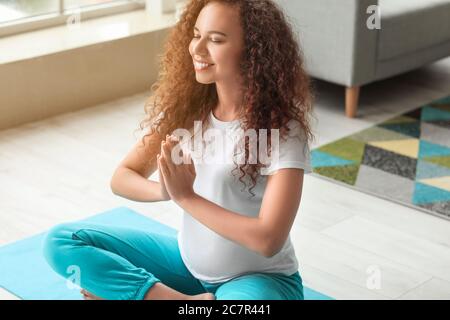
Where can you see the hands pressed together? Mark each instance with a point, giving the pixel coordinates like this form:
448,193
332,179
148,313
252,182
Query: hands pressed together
176,180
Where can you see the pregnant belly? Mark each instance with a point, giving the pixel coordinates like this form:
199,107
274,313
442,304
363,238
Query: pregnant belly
212,255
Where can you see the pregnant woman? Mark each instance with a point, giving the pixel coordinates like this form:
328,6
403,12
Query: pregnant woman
233,66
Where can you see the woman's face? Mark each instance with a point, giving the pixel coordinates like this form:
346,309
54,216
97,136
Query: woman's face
218,41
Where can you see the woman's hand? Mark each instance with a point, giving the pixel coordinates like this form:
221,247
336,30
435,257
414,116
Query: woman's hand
164,194
163,190
178,178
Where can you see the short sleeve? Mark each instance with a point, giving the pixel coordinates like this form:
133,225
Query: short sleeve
294,152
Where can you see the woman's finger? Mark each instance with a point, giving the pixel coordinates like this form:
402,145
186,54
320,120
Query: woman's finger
163,152
171,141
164,169
161,175
167,153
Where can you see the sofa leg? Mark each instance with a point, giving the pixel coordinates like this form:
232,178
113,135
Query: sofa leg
351,101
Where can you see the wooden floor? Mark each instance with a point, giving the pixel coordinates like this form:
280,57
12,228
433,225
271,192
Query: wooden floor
59,169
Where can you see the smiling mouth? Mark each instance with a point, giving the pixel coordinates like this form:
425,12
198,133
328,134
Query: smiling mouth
201,66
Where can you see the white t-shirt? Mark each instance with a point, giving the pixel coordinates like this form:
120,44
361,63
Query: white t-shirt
211,257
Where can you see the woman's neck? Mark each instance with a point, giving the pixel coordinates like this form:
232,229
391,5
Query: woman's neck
229,105
225,114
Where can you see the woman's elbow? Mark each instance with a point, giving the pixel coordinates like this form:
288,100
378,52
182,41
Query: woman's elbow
270,253
271,248
111,185
113,182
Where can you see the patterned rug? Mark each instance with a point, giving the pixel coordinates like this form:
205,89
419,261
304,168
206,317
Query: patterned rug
405,159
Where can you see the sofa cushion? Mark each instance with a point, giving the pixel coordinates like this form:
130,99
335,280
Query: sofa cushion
408,26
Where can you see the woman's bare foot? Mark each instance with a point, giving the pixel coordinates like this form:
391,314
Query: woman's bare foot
203,296
159,291
89,296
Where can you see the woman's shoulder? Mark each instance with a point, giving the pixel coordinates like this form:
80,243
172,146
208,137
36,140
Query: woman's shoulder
295,128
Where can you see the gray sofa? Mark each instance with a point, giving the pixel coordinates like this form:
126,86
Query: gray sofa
340,48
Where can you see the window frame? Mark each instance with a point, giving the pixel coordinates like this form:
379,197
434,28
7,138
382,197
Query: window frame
42,21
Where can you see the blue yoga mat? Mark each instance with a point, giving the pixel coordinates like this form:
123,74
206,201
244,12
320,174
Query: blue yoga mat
25,273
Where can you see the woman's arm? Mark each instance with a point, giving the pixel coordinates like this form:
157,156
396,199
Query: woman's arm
130,179
265,234
280,205
246,231
130,185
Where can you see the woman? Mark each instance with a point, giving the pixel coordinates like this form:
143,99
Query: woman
233,65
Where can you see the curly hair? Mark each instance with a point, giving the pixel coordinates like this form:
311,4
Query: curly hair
277,88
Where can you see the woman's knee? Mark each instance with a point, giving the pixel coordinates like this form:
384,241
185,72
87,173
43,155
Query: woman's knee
57,244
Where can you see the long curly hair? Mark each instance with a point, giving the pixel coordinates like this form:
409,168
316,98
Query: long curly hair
277,88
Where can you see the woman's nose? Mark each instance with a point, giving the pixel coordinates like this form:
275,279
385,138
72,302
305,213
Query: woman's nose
199,49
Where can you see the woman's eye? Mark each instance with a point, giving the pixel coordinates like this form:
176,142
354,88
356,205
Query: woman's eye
213,40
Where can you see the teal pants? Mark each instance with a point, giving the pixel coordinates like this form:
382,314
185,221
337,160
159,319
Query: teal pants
118,263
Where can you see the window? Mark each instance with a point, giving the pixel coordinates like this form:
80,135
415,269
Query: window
26,15
70,4
12,10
